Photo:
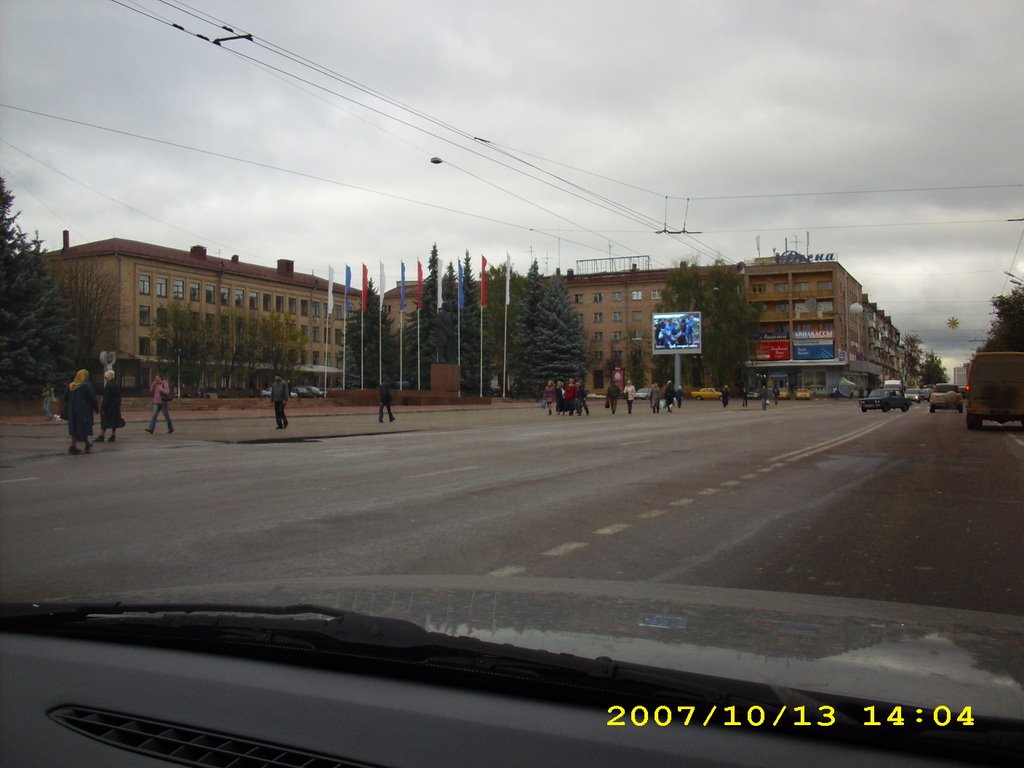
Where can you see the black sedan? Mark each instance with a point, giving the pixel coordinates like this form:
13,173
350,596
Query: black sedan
884,400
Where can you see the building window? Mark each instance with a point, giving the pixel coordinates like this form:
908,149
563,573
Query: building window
162,347
211,294
616,317
598,298
656,293
293,305
598,335
304,307
225,295
278,303
638,335
804,286
316,308
782,306
826,306
616,295
782,287
266,302
616,356
598,317
161,315
161,287
144,285
577,298
143,314
316,357
337,311
638,316
759,288
193,290
179,289
254,300
824,285
304,329
316,333
636,295
144,345
598,355
239,297
616,335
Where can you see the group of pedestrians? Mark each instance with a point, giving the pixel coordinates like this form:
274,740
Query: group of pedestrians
566,398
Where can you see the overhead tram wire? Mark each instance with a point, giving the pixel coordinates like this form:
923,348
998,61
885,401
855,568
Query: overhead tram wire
302,174
587,195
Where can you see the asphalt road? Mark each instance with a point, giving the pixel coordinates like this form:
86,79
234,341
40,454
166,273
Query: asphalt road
808,497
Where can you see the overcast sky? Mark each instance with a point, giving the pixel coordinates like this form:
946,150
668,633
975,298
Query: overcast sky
890,133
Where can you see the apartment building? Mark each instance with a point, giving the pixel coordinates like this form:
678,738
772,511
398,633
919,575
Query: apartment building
149,277
817,328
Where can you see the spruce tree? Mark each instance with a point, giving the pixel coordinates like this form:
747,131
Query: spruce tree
559,345
34,326
427,316
523,347
373,334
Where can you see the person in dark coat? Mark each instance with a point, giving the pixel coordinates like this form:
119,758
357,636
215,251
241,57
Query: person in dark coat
80,403
385,402
110,409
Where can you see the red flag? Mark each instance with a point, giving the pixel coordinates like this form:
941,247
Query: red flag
366,286
483,282
419,284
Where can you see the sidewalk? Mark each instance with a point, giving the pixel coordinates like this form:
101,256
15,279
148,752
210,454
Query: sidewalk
306,421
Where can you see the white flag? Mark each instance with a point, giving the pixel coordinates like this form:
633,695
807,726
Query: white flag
508,276
440,301
381,286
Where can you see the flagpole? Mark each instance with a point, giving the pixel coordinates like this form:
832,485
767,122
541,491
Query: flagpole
481,351
504,352
419,380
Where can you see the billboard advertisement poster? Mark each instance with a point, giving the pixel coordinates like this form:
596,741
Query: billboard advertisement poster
813,350
771,350
676,333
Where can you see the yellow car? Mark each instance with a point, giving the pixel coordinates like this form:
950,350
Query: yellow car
707,393
802,394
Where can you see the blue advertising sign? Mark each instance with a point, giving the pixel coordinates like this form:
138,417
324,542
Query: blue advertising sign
814,350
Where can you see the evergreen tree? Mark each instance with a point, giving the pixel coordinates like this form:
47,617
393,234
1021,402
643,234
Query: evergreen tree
373,334
34,329
494,320
524,350
558,347
427,317
471,349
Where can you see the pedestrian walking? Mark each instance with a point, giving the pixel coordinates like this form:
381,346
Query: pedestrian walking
549,396
679,396
110,409
559,398
630,393
80,404
280,392
655,398
160,390
613,393
385,402
48,399
744,394
765,394
725,396
570,397
775,392
581,399
669,393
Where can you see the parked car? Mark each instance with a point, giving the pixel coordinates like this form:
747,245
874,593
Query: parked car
308,391
802,394
706,393
644,393
946,396
884,400
784,393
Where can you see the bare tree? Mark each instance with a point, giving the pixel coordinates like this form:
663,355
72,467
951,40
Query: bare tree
91,294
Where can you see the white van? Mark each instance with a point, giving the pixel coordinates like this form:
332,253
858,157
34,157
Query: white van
995,388
892,384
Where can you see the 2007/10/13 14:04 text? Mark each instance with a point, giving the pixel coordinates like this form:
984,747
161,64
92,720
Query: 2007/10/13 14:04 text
756,716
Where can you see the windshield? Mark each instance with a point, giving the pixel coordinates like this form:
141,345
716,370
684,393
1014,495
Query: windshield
371,300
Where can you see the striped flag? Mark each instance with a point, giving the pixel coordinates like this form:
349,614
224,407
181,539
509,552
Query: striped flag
401,298
366,286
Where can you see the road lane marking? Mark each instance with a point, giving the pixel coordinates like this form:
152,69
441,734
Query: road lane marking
612,529
635,442
442,472
564,549
651,513
749,476
508,570
707,492
681,502
730,482
18,479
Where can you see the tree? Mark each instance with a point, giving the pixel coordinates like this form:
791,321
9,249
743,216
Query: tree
184,343
91,295
494,316
524,351
910,357
1006,333
558,346
34,329
281,344
471,332
425,352
370,332
932,370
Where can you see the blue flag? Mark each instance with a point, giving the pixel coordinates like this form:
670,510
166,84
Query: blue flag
462,296
401,299
348,286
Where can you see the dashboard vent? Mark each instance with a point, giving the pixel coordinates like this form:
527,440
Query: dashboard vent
186,745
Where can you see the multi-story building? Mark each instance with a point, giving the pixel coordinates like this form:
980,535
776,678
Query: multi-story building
817,328
149,277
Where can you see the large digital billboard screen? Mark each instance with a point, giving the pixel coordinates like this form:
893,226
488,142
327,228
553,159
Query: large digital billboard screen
676,333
